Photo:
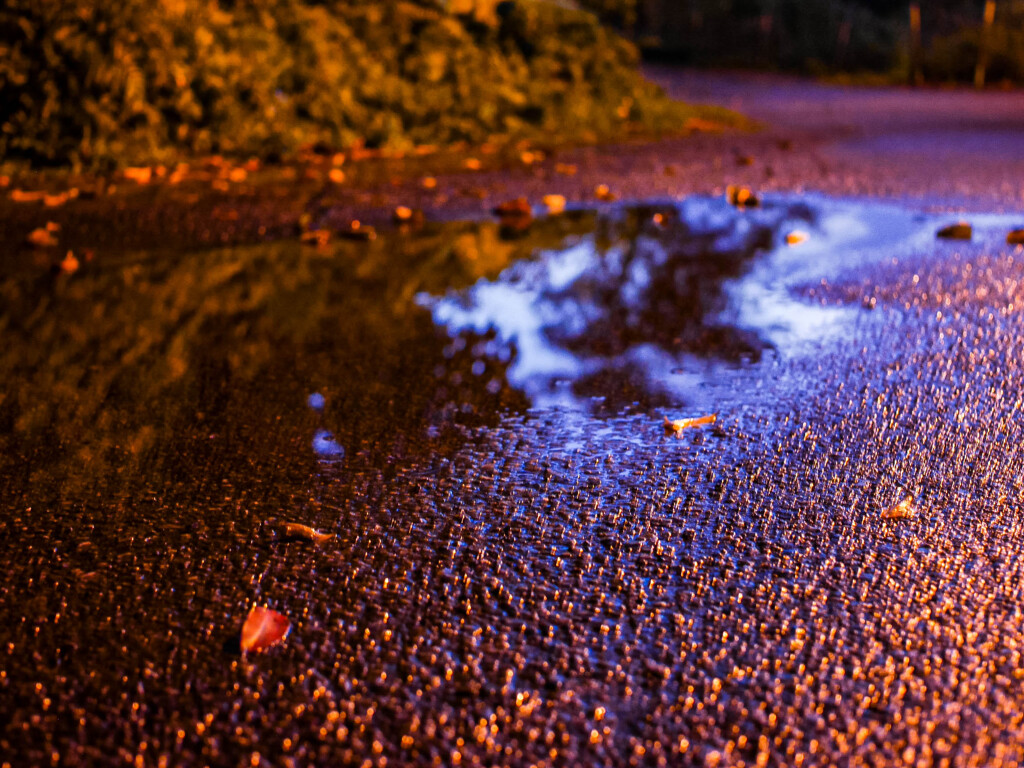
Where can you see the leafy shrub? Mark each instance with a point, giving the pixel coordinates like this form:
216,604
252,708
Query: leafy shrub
135,81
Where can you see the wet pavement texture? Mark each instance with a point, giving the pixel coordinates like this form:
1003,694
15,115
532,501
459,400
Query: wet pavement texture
940,146
526,568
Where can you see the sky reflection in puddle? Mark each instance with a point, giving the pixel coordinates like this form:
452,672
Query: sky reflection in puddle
662,301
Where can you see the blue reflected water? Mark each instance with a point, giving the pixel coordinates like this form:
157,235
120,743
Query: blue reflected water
664,300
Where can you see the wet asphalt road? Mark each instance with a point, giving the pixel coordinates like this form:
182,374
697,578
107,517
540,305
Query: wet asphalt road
526,569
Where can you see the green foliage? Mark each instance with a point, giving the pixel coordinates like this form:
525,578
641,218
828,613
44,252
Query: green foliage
135,81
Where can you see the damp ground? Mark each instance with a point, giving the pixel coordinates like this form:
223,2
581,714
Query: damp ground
526,568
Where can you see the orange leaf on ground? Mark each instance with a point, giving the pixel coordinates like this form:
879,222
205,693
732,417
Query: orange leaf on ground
69,264
140,175
41,238
30,196
263,628
677,426
305,532
901,511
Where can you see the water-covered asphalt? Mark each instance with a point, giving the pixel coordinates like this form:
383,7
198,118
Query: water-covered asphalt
526,568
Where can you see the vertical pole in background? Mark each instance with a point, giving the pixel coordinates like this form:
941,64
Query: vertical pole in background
765,24
843,41
916,75
983,44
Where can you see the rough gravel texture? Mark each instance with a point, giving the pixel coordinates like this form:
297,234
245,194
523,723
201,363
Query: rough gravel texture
521,586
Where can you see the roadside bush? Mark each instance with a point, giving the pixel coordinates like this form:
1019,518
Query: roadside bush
135,81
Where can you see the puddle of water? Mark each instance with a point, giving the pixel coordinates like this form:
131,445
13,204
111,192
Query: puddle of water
662,304
291,358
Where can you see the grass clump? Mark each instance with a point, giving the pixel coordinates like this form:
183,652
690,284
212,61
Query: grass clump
123,82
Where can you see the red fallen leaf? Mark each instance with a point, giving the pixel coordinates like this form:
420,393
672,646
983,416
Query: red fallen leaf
263,628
